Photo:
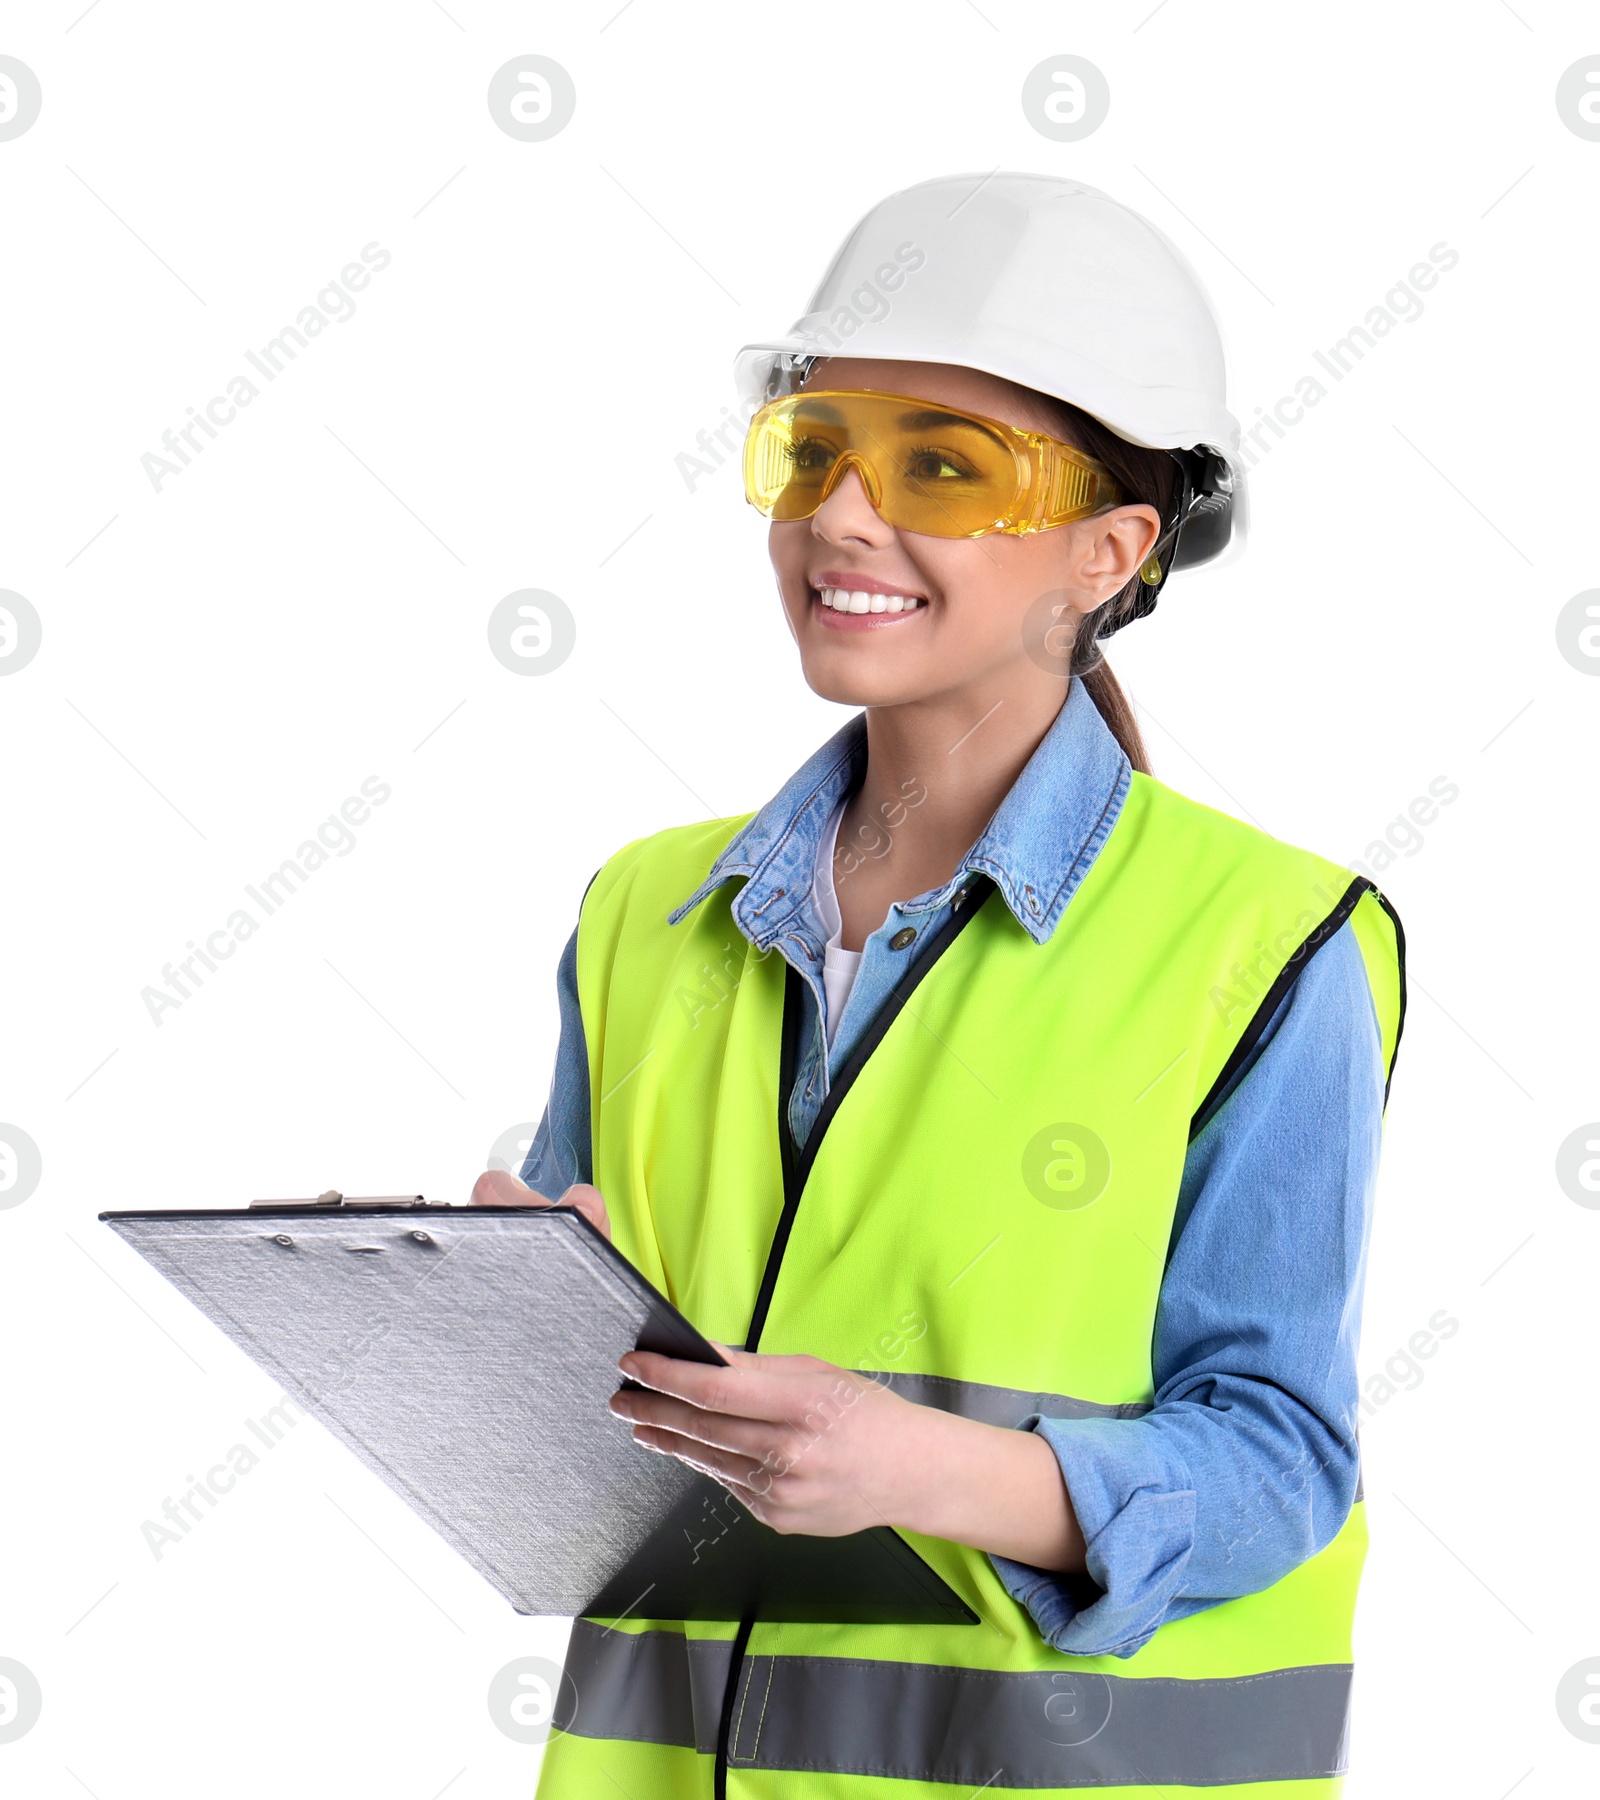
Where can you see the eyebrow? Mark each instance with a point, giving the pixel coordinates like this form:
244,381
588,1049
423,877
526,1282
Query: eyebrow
936,420
933,418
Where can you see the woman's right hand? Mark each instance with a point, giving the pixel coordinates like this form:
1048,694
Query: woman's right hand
499,1187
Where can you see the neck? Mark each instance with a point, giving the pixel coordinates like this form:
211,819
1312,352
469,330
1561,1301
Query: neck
936,771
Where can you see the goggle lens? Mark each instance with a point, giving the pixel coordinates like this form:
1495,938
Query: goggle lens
926,468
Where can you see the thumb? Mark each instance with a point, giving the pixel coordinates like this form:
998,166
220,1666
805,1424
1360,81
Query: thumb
591,1203
499,1187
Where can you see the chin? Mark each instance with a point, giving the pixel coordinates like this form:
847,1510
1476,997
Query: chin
861,688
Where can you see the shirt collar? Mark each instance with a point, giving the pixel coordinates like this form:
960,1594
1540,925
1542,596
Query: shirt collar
1037,848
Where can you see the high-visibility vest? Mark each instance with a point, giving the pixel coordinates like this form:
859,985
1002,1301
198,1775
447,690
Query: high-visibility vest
981,1214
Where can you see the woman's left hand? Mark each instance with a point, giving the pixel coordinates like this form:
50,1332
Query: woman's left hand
805,1445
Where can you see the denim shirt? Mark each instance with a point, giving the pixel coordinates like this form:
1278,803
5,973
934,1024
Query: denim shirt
1246,1464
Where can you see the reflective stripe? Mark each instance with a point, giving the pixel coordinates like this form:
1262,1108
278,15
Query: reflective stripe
1010,1406
997,1405
975,1727
656,1687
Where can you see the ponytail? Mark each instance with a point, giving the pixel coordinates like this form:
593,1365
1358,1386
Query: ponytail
1149,478
1116,709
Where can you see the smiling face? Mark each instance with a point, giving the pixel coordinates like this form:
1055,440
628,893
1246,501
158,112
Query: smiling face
953,609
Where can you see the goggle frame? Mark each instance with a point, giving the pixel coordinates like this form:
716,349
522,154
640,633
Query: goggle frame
1056,483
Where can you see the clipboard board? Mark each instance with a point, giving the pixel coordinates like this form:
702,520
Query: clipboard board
466,1355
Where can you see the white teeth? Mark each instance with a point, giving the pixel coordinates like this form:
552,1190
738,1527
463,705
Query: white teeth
842,600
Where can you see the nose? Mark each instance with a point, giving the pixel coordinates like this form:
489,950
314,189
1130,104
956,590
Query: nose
848,515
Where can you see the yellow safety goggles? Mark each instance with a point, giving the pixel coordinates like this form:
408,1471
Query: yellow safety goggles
926,467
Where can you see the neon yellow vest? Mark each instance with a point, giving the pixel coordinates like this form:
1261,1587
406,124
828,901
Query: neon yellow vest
985,1219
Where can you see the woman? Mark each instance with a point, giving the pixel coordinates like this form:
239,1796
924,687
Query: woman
1015,1116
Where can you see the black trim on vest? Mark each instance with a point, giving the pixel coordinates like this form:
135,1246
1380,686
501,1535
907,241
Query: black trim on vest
1400,960
586,886
1286,978
797,1161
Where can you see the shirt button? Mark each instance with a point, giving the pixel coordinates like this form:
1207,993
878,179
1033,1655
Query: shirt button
903,939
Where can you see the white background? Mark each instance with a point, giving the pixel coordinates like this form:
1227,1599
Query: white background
226,660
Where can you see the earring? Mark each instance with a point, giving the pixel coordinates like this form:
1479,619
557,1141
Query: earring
1150,574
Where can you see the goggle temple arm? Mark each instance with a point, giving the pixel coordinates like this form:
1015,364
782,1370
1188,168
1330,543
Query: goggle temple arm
1165,550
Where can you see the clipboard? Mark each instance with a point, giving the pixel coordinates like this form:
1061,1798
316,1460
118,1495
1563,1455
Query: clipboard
466,1355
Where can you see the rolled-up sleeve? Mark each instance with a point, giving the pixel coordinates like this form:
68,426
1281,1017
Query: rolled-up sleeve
1246,1464
560,1153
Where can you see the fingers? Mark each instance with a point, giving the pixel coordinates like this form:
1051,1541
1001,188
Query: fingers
784,1434
589,1201
735,1471
760,1359
760,1488
744,1391
499,1187
752,1438
799,1391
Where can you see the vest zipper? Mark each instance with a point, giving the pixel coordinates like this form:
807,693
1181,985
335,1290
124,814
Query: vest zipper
797,1160
796,1167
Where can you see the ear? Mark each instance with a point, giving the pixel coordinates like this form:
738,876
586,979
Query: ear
1113,549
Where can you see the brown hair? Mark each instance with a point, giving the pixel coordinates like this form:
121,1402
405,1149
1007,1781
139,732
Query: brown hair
1148,478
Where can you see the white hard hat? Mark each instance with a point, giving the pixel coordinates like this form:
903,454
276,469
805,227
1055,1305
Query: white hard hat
1051,284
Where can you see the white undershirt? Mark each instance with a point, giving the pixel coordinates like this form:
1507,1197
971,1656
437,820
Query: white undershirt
839,965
